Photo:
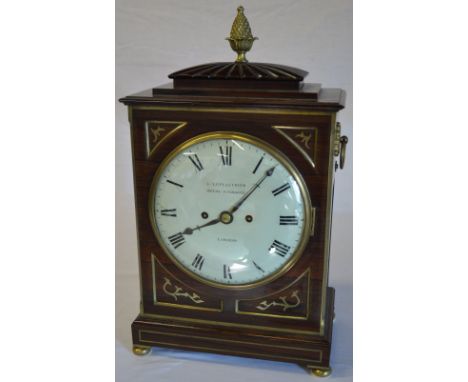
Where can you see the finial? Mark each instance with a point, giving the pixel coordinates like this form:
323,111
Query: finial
241,39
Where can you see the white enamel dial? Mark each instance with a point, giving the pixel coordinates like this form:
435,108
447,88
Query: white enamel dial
229,209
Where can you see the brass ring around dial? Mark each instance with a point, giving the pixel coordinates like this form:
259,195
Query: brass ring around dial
276,154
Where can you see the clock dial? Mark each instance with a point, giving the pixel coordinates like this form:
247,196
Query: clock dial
230,209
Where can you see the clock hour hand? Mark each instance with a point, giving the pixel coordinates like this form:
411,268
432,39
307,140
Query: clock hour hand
236,206
189,231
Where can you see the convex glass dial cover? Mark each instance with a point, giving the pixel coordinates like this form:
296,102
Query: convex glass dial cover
230,209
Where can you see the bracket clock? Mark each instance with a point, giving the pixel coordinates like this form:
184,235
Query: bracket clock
234,168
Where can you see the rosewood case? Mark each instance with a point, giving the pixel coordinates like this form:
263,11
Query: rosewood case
271,103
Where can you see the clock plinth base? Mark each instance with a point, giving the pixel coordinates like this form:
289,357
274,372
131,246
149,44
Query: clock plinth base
141,350
270,341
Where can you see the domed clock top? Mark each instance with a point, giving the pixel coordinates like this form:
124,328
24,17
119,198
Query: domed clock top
241,41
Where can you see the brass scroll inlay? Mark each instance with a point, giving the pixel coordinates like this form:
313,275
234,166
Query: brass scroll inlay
290,302
172,292
305,139
157,132
179,292
282,302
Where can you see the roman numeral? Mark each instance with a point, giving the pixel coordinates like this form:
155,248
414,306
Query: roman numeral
280,189
279,248
170,212
288,220
227,272
258,165
196,161
174,183
198,262
177,240
258,267
226,157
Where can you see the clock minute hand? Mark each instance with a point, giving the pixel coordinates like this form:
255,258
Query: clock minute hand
189,231
236,206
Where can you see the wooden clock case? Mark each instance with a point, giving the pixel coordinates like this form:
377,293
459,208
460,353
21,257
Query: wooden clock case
291,318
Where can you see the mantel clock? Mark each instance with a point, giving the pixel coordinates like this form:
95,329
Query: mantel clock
234,168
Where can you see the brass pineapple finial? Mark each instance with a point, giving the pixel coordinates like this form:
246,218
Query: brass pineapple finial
241,39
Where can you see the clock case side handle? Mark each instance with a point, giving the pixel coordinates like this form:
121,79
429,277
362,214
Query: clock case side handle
339,149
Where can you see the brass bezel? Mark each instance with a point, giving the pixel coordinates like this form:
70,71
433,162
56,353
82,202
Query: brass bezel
278,155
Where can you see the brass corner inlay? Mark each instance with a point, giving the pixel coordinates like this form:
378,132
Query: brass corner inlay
304,139
158,132
179,292
282,302
290,301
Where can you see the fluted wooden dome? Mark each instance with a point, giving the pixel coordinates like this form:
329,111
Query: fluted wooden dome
241,71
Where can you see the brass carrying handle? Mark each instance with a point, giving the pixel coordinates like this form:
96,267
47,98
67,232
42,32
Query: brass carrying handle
343,143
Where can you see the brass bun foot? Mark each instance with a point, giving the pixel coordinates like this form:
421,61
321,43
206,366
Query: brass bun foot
321,372
141,350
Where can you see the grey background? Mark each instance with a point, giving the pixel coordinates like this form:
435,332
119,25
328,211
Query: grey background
155,38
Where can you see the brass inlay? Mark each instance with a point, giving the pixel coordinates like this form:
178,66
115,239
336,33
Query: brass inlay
314,216
320,353
282,302
281,158
307,140
195,326
326,256
264,303
215,339
304,138
132,145
231,110
235,325
158,132
130,116
178,292
241,38
275,111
